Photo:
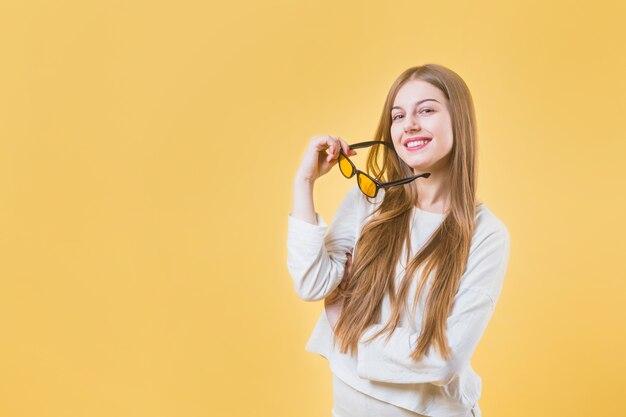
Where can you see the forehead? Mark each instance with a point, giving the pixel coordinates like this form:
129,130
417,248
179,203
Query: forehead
416,90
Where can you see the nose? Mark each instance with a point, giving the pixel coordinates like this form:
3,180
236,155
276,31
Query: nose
410,123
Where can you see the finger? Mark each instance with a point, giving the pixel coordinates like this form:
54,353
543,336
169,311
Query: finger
346,148
320,143
331,152
331,145
323,143
339,144
348,260
334,147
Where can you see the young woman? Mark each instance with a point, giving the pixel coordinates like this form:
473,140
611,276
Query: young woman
412,265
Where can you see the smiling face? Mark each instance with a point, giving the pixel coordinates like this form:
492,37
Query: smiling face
420,112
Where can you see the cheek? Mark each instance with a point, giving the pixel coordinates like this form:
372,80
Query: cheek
395,132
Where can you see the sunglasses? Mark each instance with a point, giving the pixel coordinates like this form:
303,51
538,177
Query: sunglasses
368,185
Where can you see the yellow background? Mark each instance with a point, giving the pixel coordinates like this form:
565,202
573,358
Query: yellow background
147,153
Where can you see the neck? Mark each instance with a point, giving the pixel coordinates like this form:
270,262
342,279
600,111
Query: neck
434,191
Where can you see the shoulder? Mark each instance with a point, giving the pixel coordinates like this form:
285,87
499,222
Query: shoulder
489,226
351,207
489,254
363,204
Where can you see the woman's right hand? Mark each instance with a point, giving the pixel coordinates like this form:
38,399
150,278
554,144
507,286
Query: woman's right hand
321,155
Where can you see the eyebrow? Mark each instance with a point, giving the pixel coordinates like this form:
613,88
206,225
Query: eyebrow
417,104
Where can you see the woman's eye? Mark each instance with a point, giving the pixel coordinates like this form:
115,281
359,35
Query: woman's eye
426,110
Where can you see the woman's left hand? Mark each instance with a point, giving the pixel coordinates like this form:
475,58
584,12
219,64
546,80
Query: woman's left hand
334,310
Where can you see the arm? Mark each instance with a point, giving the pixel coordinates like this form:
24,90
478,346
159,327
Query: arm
317,253
472,309
303,207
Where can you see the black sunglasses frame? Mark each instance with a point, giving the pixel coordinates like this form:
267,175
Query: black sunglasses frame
358,172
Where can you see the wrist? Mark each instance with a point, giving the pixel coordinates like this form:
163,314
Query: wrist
304,180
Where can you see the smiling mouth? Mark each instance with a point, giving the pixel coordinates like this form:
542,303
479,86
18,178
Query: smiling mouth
414,145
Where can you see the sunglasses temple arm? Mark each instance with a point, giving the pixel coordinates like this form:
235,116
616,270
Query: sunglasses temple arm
405,180
369,143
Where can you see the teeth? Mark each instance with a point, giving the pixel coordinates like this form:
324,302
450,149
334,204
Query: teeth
416,143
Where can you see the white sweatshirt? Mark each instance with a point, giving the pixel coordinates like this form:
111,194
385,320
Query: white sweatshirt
316,258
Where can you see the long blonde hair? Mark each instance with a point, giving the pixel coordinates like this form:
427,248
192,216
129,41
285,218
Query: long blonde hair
387,231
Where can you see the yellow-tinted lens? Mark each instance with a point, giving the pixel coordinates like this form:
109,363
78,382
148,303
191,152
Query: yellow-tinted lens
366,185
345,166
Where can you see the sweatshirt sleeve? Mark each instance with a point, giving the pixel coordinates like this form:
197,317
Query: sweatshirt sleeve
473,307
317,253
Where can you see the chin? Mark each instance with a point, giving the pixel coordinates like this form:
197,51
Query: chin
419,167
420,170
